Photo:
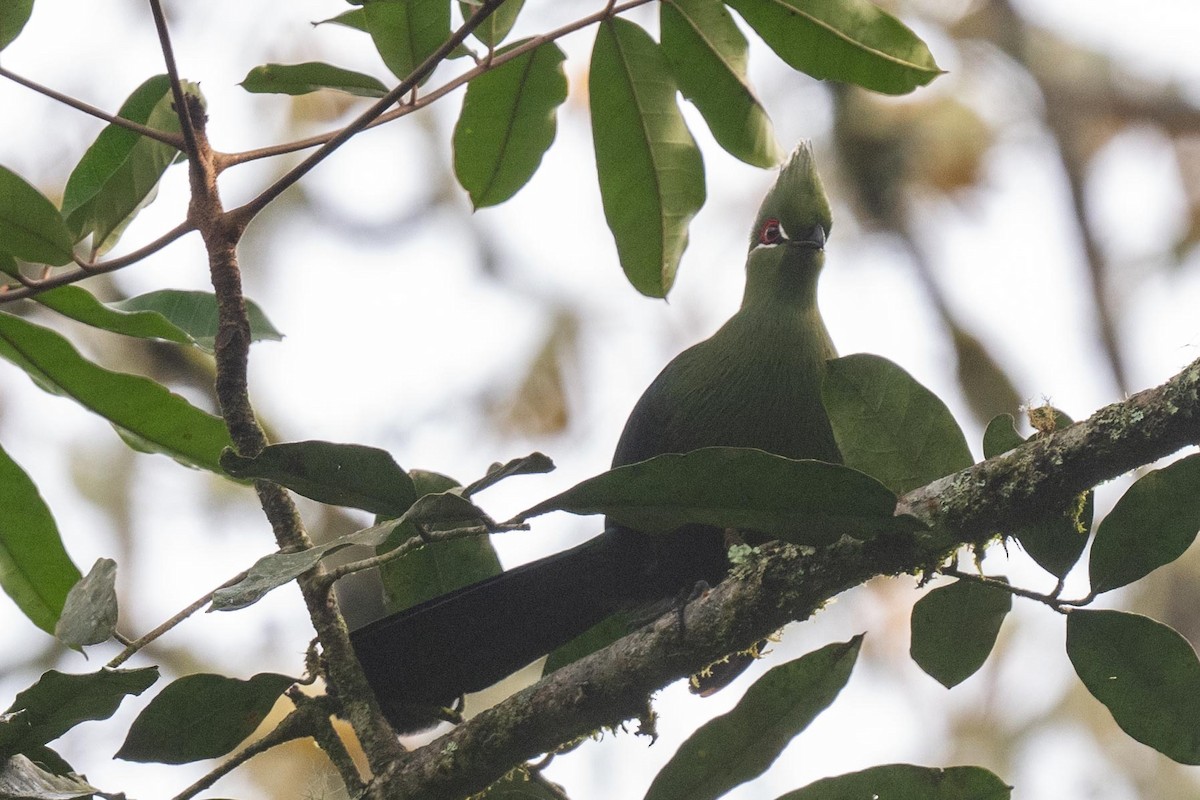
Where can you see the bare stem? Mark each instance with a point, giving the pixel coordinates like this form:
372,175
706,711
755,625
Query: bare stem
30,288
181,107
430,96
166,137
137,644
984,580
251,209
295,726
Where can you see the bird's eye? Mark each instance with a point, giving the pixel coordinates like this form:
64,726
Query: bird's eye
770,233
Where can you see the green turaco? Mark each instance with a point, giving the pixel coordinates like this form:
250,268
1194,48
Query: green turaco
754,383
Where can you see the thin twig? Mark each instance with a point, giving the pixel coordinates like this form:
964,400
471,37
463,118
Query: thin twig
252,208
318,711
414,542
295,725
429,96
181,106
166,137
87,270
984,580
137,644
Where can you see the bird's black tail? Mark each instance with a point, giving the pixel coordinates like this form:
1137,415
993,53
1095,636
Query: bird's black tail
428,655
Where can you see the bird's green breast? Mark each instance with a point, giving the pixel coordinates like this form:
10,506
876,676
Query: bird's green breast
755,383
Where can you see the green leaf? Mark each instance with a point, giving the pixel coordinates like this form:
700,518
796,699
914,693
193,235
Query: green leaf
30,226
195,313
1146,674
118,175
148,416
739,746
439,567
845,40
804,502
275,569
650,170
954,628
1151,525
406,32
22,778
907,782
201,716
81,306
1057,541
508,123
13,16
448,508
35,570
533,464
59,701
355,18
1000,436
498,24
707,53
308,77
337,474
90,613
889,426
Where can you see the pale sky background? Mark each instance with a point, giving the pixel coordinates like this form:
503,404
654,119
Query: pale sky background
396,341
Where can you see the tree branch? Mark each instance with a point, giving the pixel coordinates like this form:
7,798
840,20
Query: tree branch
166,137
429,96
611,686
248,211
30,288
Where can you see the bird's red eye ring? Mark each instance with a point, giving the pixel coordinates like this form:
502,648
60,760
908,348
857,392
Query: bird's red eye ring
770,233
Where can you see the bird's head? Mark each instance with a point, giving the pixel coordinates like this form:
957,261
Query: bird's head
787,242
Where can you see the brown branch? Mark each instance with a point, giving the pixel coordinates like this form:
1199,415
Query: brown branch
30,287
613,685
429,96
186,126
166,137
135,645
248,211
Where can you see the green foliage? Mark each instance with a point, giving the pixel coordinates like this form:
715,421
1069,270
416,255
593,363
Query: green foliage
707,53
201,716
739,746
908,782
889,426
90,613
804,502
650,169
30,226
1151,525
954,628
274,570
339,474
309,77
13,16
845,40
440,566
508,123
35,570
1146,674
497,26
59,702
148,417
195,313
119,173
406,32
